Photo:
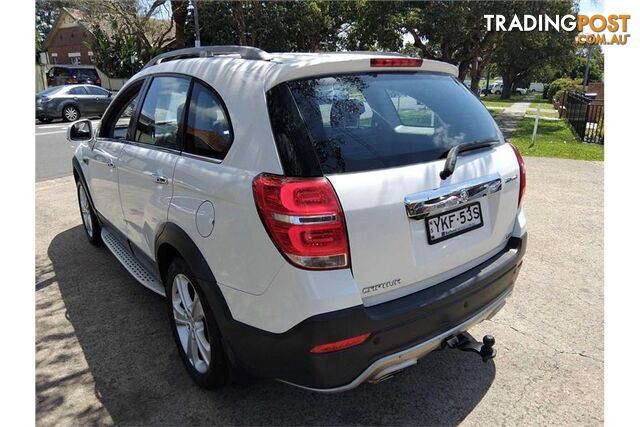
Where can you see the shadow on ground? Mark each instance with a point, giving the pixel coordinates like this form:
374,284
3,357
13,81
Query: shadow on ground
125,338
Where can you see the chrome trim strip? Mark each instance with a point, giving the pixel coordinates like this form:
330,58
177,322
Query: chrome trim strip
420,205
299,220
199,157
398,361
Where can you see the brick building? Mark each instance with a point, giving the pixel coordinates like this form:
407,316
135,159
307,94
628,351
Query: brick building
69,40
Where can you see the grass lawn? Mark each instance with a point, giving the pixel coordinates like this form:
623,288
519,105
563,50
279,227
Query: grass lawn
493,100
495,112
533,112
543,103
555,139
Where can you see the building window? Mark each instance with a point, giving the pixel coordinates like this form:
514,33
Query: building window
74,58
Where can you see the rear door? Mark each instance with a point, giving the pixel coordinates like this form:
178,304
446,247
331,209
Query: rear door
381,143
147,163
80,97
101,98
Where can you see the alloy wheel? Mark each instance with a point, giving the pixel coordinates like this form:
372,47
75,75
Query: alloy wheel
71,114
85,209
191,323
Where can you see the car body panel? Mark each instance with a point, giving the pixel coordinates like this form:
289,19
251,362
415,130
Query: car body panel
398,252
145,201
101,173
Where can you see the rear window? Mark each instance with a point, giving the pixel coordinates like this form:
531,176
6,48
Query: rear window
85,73
361,122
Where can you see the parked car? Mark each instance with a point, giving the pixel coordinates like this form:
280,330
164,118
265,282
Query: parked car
299,222
73,74
536,87
71,102
498,88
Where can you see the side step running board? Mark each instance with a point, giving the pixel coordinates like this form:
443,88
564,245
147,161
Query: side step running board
129,261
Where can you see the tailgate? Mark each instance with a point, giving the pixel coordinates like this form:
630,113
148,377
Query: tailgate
392,253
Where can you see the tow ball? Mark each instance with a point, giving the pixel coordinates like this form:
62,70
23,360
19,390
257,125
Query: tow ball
466,342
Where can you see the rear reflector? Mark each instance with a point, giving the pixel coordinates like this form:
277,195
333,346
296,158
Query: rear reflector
396,62
340,345
523,174
304,220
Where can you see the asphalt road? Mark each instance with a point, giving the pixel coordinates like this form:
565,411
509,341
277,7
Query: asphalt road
53,151
104,351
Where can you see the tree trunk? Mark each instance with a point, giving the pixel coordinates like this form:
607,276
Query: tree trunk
179,12
476,76
463,70
507,82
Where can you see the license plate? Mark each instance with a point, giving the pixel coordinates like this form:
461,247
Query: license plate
453,223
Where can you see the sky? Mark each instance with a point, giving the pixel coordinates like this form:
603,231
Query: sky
589,7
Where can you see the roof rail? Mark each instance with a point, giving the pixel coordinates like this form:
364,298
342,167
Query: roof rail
245,52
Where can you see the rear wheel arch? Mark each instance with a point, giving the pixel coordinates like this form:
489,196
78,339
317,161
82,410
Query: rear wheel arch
172,242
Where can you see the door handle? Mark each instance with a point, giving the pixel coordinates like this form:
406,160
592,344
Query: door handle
111,164
160,179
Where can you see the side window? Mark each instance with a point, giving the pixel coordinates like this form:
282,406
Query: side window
411,111
207,132
77,90
97,91
161,114
117,122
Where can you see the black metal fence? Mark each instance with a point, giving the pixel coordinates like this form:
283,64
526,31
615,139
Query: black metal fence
585,115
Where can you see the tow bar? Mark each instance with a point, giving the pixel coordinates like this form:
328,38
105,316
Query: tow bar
466,342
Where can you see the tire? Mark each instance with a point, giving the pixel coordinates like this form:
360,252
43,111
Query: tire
45,119
194,329
498,92
90,221
70,113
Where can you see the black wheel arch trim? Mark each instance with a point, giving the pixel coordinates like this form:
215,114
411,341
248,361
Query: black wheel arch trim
173,235
80,175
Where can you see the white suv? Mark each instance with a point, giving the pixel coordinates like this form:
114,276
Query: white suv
323,219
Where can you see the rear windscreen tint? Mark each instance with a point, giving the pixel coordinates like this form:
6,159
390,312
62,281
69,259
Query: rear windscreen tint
85,73
374,121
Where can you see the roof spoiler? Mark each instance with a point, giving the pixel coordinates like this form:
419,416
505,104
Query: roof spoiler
245,52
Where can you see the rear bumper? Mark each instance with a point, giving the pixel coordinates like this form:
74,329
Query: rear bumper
402,330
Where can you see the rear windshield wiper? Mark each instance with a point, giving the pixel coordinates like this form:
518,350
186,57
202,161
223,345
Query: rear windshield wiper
452,155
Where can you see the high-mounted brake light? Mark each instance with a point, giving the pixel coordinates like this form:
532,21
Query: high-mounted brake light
523,174
304,219
340,345
396,62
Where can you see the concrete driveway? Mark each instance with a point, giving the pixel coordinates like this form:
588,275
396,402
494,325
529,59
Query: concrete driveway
104,351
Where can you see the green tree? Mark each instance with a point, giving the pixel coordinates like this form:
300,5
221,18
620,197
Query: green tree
596,65
521,54
449,31
274,26
47,12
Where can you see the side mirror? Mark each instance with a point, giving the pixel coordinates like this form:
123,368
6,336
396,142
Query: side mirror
80,131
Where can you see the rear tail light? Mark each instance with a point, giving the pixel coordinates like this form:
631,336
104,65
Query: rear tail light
72,80
340,345
304,219
523,174
396,62
98,81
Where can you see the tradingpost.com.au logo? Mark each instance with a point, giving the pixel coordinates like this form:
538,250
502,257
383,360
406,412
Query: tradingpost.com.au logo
605,30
